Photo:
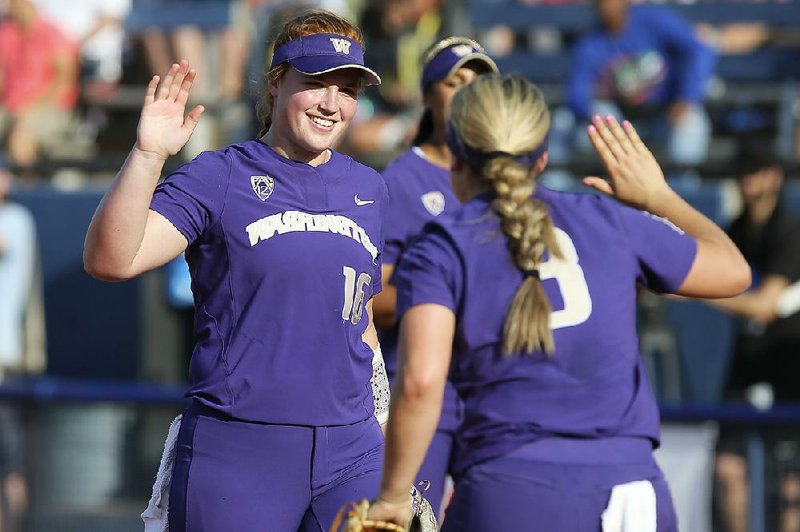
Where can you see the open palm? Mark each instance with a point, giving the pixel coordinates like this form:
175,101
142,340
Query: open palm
163,126
635,177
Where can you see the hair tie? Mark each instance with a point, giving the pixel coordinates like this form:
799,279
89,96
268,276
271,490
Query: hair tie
532,273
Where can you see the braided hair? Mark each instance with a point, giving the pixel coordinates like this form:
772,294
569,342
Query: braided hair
504,120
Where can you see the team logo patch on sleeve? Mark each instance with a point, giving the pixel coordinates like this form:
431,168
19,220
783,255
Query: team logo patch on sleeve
263,185
433,202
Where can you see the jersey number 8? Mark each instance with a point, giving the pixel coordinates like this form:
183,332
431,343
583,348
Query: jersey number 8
571,282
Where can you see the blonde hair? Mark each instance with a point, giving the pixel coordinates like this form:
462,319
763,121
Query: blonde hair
310,23
508,114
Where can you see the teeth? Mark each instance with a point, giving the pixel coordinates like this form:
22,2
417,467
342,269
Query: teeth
322,121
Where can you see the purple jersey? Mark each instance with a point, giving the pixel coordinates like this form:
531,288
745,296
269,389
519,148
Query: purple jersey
284,257
419,191
594,384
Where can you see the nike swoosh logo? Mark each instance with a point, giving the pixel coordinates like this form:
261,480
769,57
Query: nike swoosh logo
361,202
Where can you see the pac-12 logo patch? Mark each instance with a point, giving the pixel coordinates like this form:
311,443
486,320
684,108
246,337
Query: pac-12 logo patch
434,202
263,185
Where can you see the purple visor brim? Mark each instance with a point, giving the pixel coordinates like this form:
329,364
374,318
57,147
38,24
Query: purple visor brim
451,59
321,53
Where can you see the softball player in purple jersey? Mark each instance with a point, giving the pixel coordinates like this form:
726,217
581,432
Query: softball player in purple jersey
536,290
283,239
419,191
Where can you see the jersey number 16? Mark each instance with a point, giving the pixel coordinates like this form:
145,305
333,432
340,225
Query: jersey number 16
354,294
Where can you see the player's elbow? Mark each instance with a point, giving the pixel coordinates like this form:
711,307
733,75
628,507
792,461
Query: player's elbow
718,271
740,276
102,270
421,383
729,281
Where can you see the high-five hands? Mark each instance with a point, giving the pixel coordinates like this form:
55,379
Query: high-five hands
163,128
635,177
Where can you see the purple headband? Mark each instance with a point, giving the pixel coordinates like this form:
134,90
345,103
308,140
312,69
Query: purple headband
476,158
451,59
323,52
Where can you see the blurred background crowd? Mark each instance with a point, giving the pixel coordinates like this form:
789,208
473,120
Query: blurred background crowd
91,373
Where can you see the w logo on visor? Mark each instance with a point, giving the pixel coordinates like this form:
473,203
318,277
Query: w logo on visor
341,45
462,50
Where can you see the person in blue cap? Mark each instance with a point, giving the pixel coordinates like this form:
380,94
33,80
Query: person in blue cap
526,298
283,239
420,191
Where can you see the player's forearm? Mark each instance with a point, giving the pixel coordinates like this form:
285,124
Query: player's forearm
745,305
413,417
117,228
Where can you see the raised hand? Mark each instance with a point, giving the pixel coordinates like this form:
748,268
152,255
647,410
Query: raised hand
635,177
163,128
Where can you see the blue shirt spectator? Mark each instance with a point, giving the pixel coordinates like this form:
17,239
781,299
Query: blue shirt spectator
648,63
654,60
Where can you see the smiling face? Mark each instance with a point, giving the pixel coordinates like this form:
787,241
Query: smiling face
311,113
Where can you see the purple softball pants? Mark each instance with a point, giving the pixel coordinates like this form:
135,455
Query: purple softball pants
521,491
235,475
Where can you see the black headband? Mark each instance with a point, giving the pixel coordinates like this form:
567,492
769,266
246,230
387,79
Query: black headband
476,158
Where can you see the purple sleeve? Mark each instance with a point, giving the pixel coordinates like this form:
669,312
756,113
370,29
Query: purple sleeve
396,231
430,271
192,197
664,252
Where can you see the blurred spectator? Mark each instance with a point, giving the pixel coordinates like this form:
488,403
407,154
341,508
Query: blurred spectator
398,32
765,359
38,88
97,27
17,267
646,64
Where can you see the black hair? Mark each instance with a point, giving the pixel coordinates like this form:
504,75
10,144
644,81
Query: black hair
753,155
